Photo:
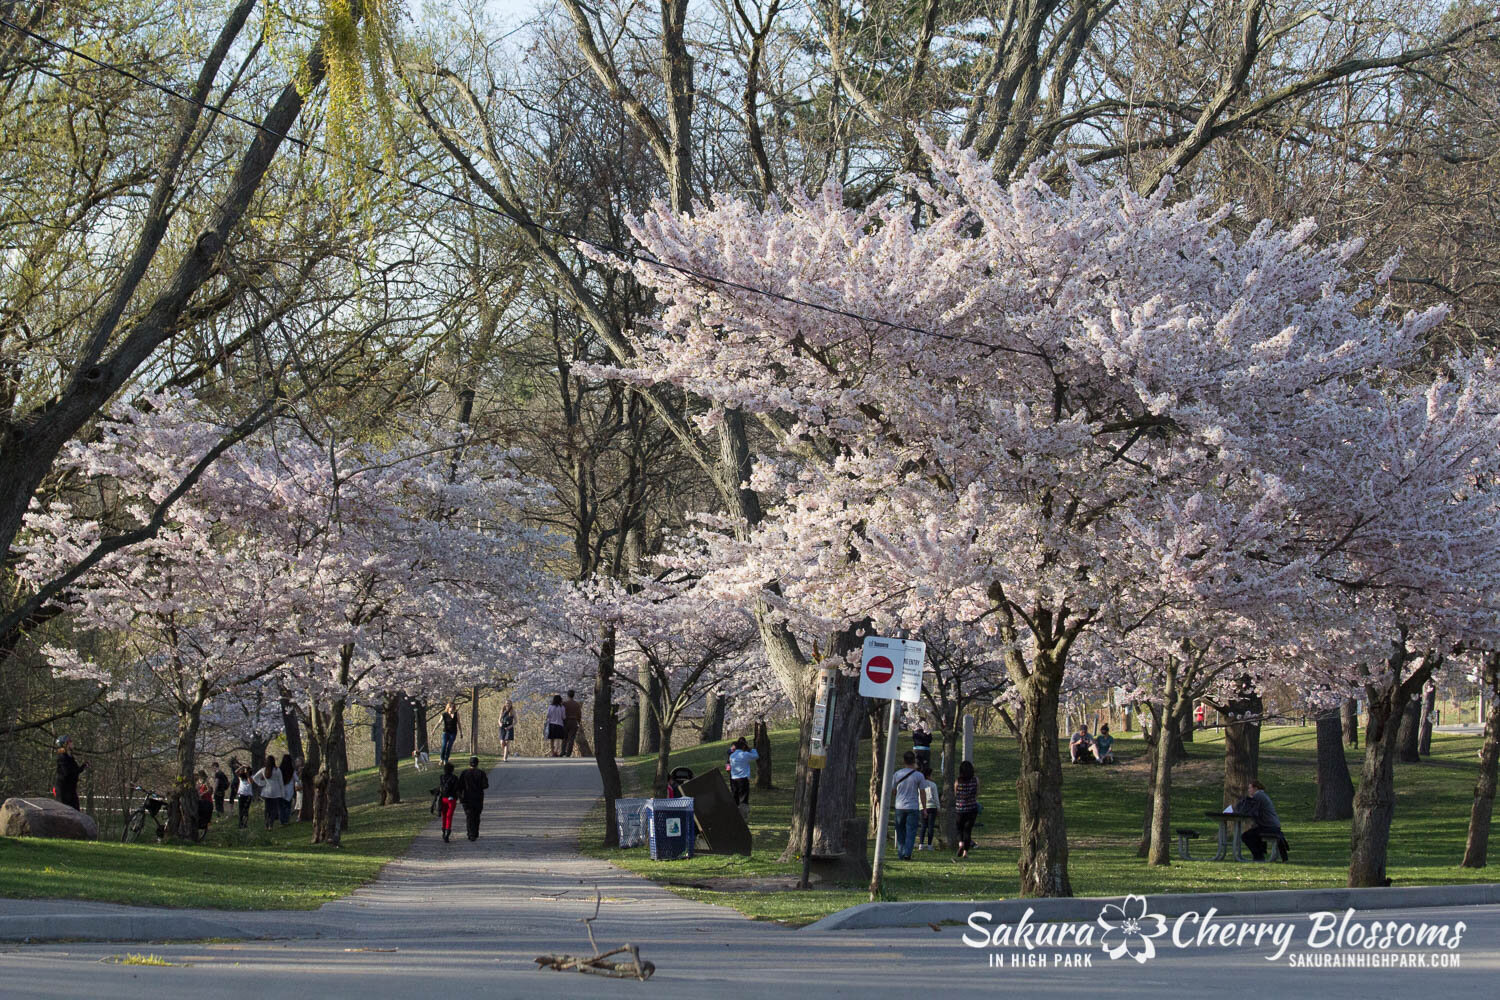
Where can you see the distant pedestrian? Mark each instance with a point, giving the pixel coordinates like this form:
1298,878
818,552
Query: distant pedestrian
907,786
471,786
1200,716
966,806
930,800
451,730
268,783
244,794
234,782
205,801
921,744
290,780
221,787
740,758
555,730
507,729
572,719
447,798
65,784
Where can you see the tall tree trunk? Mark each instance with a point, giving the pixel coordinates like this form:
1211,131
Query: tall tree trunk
1349,718
1044,831
650,727
311,764
878,712
713,718
331,813
1241,744
763,760
1185,728
289,726
1335,788
1375,799
630,731
949,765
604,735
182,808
663,759
420,726
837,789
1151,731
390,761
1409,732
1424,727
474,721
1160,852
1476,847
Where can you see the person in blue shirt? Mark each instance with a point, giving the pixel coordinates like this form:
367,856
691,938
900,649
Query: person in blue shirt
740,757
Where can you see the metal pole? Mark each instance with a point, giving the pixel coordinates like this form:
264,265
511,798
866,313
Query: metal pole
882,827
812,819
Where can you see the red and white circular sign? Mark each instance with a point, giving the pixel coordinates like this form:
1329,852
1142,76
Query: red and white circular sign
879,669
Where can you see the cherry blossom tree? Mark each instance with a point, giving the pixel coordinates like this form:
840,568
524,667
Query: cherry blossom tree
1048,410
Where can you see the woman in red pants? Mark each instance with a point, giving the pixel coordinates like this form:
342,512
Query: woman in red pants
447,798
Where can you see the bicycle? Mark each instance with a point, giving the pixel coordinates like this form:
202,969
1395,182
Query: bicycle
136,822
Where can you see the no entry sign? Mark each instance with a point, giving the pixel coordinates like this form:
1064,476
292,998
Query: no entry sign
892,668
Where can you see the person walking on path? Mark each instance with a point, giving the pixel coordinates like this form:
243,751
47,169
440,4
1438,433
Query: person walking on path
244,793
221,787
572,719
930,799
65,784
907,783
471,786
451,729
267,781
740,758
447,798
966,806
289,783
555,731
507,729
921,744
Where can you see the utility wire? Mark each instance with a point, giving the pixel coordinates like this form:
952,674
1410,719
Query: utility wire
631,255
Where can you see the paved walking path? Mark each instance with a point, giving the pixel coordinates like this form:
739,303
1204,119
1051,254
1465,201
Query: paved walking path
466,919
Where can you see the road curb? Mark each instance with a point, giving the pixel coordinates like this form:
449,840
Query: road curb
139,927
1230,904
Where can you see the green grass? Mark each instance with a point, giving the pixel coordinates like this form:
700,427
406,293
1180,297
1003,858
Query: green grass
1104,807
134,959
232,869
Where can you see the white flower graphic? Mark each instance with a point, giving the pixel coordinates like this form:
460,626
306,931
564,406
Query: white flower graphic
1128,929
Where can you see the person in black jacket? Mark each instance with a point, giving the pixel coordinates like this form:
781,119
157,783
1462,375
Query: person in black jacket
471,786
221,788
447,798
65,785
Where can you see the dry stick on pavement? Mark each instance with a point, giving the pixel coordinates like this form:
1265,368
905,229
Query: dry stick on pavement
595,964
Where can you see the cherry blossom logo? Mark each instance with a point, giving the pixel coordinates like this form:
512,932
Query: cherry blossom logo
1128,929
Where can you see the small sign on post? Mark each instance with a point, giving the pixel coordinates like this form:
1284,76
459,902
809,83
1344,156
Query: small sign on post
891,668
819,735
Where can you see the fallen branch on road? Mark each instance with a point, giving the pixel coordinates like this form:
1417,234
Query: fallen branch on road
598,963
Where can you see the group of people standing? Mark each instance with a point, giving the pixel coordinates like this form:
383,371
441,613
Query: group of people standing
278,786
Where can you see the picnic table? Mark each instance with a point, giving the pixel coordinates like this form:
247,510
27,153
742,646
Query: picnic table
1227,837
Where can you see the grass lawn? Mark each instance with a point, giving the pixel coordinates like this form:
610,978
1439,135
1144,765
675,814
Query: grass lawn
1104,807
232,869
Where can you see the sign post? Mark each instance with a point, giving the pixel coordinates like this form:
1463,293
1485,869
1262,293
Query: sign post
890,668
817,757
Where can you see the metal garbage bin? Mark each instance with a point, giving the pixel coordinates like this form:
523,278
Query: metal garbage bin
669,828
630,821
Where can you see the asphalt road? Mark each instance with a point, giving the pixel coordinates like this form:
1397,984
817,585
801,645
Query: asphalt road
466,919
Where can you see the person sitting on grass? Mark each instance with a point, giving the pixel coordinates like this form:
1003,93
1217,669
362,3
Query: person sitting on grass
1081,746
1103,744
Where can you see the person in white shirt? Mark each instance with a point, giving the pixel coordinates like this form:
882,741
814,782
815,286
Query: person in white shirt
556,716
740,758
268,782
930,801
907,783
244,791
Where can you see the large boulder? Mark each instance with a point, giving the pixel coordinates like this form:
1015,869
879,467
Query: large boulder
45,818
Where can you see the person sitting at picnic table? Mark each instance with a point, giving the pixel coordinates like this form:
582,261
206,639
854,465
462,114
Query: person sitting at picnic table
1267,826
1102,744
1081,746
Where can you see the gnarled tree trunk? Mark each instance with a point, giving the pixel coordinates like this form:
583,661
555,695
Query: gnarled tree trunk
763,750
1349,718
182,807
389,759
1375,799
604,735
713,718
1044,832
1161,776
1409,732
837,788
1424,727
331,813
1241,744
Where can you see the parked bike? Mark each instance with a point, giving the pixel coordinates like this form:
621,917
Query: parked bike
154,806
